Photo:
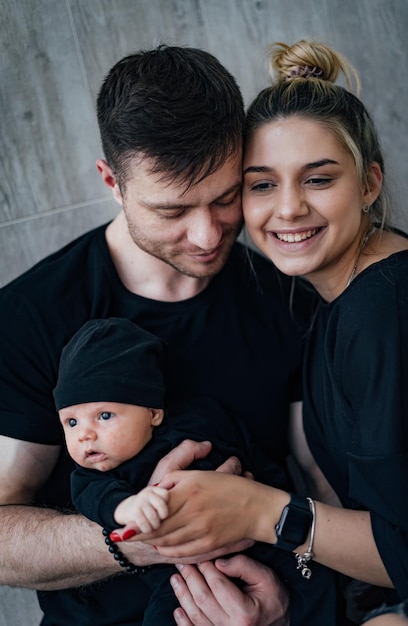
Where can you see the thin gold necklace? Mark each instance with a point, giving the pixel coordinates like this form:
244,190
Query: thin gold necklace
367,236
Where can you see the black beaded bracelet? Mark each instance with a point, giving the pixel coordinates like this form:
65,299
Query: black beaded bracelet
129,567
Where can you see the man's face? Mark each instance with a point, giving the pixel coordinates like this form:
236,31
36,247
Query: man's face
192,230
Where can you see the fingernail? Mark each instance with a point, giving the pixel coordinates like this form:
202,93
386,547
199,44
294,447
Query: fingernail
155,547
179,566
156,484
115,536
128,534
174,581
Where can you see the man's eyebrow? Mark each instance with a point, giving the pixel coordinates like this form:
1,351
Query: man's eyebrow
307,166
168,206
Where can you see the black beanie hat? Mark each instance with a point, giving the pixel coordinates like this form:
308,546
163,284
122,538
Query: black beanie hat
111,360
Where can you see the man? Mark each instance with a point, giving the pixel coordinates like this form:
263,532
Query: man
171,122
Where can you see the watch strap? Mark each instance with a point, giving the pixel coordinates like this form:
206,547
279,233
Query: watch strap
294,524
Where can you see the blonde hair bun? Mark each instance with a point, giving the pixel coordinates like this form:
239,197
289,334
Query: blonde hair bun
309,59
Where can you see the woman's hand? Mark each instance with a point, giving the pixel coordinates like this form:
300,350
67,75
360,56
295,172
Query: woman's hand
208,598
181,456
210,510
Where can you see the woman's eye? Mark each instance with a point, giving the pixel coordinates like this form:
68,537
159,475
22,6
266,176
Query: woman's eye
317,180
72,422
106,415
264,186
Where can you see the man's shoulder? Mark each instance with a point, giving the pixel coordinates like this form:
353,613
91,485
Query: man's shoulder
70,260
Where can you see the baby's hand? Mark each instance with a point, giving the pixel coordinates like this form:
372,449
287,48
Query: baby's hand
142,512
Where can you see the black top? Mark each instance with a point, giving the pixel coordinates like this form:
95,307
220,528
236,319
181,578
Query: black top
234,341
356,403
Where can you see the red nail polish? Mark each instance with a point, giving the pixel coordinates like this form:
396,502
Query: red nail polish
114,536
128,534
156,484
155,547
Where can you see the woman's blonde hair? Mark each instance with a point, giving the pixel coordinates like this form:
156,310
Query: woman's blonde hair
303,84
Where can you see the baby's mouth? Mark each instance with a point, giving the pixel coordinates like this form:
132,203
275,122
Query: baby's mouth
94,455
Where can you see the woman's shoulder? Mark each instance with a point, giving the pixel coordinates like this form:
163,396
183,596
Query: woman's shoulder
384,261
385,249
379,291
391,268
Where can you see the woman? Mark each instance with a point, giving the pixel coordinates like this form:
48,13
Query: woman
314,203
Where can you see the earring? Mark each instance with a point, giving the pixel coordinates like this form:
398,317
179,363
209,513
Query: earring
366,208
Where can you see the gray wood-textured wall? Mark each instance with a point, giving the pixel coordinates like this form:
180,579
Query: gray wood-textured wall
54,55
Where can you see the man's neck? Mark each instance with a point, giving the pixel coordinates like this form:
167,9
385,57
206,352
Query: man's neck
145,275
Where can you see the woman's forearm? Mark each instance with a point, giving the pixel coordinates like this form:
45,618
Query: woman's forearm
344,541
343,538
208,510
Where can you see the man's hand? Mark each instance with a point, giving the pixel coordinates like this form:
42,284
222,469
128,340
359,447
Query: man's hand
185,454
179,458
208,598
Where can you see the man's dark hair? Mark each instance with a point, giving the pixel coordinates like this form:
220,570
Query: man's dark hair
177,106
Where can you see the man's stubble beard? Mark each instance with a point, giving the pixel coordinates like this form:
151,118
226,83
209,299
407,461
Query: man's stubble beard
206,270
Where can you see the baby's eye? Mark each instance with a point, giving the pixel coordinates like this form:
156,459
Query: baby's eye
72,422
106,415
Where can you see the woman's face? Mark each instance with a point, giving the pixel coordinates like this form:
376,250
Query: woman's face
303,201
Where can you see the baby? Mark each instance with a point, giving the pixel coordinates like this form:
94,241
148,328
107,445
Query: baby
110,396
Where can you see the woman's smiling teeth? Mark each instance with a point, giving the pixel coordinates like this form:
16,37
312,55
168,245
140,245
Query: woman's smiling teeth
295,237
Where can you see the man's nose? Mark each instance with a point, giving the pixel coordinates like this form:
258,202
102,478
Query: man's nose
205,229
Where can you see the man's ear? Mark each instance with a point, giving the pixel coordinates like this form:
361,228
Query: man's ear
157,416
109,179
374,185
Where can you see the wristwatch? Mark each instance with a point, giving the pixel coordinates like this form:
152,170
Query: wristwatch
294,525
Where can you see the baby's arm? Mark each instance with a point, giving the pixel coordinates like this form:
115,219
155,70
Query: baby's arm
144,510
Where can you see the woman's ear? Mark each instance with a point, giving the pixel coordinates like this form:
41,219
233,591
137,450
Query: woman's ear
109,179
374,184
157,416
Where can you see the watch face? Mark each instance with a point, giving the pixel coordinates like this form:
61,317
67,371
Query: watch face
294,525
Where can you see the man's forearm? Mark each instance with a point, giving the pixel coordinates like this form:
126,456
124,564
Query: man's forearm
67,550
62,550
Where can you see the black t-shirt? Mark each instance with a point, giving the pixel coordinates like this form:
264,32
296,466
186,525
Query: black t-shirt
235,341
356,403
